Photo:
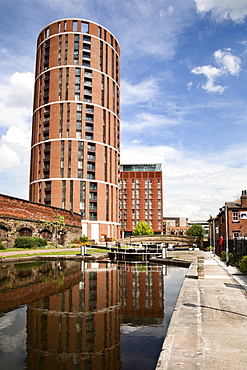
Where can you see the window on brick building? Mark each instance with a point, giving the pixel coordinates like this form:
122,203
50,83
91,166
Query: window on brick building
86,38
75,24
86,46
236,234
92,216
82,198
235,217
47,32
84,27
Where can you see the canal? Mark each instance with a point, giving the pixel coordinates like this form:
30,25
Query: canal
85,315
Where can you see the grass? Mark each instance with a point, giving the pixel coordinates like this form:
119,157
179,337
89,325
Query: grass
61,253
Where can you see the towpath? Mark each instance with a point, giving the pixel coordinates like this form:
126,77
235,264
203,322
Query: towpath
208,329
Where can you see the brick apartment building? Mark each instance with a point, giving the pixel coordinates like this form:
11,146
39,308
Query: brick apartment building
141,197
76,124
230,223
175,225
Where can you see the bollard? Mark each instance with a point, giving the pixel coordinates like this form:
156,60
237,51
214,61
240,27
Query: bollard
164,252
83,250
200,267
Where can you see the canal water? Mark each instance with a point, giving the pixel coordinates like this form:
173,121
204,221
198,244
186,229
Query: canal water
85,315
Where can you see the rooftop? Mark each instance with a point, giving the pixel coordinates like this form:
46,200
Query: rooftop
140,167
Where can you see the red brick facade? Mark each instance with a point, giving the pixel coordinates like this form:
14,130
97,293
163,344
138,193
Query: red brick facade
231,220
141,198
76,124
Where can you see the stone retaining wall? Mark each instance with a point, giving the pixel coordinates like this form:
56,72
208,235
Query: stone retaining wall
20,217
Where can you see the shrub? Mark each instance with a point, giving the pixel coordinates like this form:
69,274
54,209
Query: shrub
29,242
2,246
243,265
223,256
83,239
75,241
231,259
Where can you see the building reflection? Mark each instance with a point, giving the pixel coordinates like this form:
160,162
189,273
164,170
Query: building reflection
78,328
75,309
142,293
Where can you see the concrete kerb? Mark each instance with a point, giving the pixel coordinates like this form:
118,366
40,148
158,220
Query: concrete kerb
183,337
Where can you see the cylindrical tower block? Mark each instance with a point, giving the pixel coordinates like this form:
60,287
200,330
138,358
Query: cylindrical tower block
76,119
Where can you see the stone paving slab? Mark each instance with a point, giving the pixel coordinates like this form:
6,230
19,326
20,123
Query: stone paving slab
208,329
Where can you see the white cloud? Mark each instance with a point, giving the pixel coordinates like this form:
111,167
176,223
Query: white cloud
151,28
211,74
194,186
16,100
18,135
15,148
21,90
189,85
136,141
145,91
235,10
227,64
146,154
8,158
15,134
143,121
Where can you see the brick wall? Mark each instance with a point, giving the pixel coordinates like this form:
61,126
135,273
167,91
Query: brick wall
17,214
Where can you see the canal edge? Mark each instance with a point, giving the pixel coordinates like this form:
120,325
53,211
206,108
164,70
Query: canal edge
182,345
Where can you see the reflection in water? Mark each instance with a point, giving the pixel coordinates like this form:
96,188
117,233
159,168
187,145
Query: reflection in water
82,315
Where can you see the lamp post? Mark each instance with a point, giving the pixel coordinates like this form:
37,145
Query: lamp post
214,236
227,247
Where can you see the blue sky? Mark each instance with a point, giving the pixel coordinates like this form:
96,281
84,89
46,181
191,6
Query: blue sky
183,92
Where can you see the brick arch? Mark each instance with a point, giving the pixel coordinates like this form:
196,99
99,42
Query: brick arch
46,234
4,229
5,225
25,226
25,231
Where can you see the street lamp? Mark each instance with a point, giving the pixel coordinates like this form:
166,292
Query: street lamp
214,236
226,221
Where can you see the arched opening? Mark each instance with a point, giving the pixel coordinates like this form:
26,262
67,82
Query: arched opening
3,232
25,231
46,234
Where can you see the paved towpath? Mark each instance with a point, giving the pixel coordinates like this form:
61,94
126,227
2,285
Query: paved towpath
208,329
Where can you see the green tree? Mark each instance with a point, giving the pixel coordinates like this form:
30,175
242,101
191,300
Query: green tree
142,228
196,230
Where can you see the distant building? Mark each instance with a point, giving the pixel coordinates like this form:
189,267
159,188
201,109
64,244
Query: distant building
76,124
141,197
175,225
203,223
231,221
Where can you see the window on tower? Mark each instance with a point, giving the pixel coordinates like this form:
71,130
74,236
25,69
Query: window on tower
84,27
75,25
